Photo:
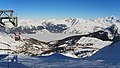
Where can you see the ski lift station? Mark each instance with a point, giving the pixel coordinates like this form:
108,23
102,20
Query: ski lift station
6,17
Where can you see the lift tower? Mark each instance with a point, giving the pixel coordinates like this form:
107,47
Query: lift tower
8,15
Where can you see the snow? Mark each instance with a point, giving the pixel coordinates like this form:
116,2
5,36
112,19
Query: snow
108,57
67,25
85,27
23,22
96,42
110,53
7,42
105,55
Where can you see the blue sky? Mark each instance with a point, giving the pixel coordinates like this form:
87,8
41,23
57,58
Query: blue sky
44,9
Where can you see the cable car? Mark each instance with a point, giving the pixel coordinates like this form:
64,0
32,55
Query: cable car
17,36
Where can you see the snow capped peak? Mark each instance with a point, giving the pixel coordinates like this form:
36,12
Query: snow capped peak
107,18
112,31
68,25
113,17
50,20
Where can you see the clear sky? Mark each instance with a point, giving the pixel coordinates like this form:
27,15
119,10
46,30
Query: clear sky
44,9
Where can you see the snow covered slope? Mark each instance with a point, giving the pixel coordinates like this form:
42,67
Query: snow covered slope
92,25
7,43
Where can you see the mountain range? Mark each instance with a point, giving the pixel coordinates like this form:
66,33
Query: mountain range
91,36
67,25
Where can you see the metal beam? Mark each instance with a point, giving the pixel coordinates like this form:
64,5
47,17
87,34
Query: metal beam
6,11
8,17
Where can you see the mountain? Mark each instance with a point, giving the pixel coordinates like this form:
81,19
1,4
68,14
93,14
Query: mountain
91,36
78,42
92,25
77,46
84,45
67,25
